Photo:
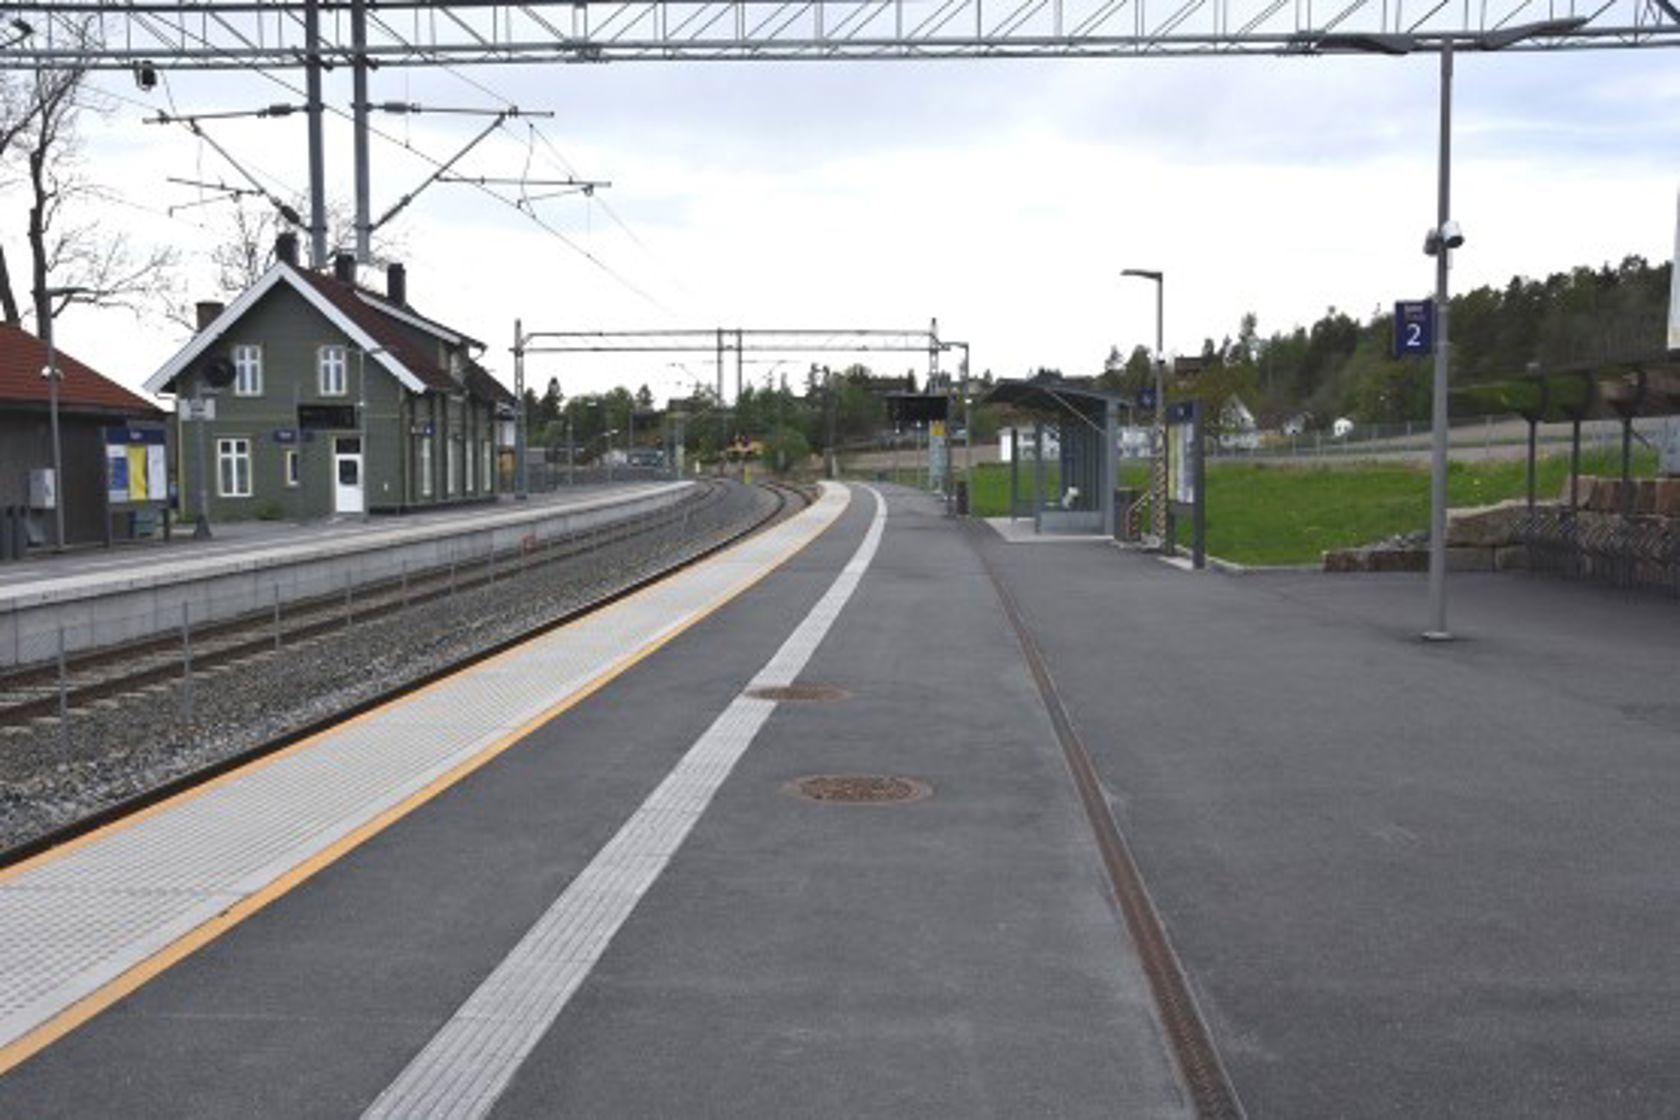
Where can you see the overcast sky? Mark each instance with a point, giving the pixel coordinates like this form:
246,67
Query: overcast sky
1000,197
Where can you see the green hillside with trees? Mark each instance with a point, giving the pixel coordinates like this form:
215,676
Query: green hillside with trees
1337,366
1340,366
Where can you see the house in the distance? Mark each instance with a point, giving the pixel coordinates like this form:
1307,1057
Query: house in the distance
326,398
95,415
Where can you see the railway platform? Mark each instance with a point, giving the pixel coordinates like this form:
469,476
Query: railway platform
97,598
581,880
793,834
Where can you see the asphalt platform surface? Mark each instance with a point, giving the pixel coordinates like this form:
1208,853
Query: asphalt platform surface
1403,879
956,956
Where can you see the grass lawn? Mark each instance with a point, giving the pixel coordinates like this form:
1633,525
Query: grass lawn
1272,514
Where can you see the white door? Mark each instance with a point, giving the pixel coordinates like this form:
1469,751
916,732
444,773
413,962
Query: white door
347,475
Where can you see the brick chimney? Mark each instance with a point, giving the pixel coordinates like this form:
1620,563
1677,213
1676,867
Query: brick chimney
207,309
286,247
396,284
344,268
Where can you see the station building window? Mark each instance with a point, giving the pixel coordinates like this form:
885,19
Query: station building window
294,475
334,380
247,371
426,466
233,467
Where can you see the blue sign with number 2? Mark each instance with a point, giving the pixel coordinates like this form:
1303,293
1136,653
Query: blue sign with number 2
1414,327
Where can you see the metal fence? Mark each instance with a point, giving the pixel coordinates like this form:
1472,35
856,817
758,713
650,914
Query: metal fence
229,684
1482,436
1635,552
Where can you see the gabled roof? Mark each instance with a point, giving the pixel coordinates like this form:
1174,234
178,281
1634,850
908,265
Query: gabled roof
481,384
23,356
371,322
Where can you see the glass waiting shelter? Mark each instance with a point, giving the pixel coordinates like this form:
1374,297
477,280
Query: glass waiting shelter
1062,467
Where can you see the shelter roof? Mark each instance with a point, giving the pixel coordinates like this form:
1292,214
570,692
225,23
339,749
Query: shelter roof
23,357
1055,396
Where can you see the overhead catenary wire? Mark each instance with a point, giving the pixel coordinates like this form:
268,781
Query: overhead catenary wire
529,212
534,131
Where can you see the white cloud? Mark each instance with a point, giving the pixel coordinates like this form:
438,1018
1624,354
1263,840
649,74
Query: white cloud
1001,198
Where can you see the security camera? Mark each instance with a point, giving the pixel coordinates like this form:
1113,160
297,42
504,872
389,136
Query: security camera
145,76
1448,235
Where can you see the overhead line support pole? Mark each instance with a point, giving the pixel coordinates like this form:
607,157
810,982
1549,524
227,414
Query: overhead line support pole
359,119
317,155
519,468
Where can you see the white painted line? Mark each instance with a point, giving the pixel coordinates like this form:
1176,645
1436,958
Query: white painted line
470,1061
77,922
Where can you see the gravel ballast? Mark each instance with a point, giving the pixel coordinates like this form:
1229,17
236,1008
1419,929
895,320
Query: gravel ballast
124,747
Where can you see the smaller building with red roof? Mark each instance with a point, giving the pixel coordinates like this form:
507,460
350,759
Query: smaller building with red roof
89,404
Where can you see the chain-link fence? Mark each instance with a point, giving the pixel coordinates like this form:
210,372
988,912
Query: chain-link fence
1477,437
78,732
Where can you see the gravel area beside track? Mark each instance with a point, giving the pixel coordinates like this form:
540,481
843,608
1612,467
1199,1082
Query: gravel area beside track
124,747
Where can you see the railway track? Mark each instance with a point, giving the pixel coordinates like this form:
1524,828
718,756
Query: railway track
116,680
53,690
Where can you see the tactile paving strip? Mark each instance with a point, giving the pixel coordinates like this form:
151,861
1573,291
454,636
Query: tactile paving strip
468,1063
72,924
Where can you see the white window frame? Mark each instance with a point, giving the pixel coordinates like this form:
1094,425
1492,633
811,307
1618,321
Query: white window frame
328,360
233,467
425,466
293,468
247,370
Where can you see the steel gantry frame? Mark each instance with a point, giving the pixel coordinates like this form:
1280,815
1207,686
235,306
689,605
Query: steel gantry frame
233,34
714,340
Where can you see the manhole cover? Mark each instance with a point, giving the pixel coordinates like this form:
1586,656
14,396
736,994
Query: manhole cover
799,693
859,789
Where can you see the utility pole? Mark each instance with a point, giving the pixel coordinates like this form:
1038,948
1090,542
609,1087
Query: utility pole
317,143
828,394
359,121
519,491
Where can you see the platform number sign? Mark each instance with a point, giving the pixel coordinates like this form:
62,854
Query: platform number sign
1414,328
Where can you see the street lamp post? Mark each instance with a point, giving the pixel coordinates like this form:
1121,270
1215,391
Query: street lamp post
1442,247
1439,243
1158,500
51,374
520,489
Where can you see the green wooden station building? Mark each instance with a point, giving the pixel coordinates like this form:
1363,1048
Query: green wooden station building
309,396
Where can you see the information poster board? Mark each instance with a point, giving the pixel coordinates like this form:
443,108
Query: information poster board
137,466
1181,465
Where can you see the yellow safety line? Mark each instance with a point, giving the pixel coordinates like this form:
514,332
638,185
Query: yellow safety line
61,1024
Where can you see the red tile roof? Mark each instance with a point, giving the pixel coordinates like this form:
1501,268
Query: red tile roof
421,361
23,356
